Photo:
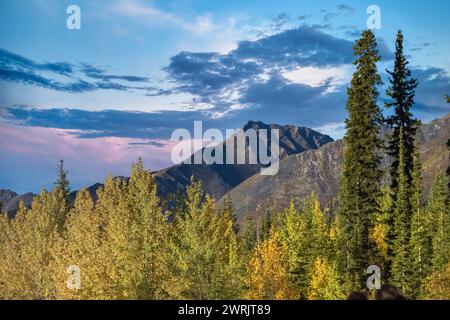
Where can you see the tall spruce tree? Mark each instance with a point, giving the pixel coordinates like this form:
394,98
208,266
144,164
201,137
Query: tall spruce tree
360,184
420,240
402,211
401,91
62,182
438,208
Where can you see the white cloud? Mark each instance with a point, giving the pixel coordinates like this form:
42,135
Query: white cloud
132,8
334,129
316,77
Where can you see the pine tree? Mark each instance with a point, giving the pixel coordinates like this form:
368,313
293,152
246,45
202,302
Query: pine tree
402,221
438,208
420,241
325,284
304,237
268,273
360,184
62,183
401,91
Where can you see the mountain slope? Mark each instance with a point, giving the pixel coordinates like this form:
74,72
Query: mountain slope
319,170
218,179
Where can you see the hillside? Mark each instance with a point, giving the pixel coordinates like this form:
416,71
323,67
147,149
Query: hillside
318,171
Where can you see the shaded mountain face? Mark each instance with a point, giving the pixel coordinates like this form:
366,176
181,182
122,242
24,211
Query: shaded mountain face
12,205
6,195
218,179
309,161
319,171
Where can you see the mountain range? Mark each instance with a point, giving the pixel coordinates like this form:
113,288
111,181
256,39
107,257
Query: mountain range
309,161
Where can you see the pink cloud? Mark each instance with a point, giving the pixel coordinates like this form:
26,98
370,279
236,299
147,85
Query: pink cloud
88,160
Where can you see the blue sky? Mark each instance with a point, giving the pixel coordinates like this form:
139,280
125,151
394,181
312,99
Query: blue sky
101,96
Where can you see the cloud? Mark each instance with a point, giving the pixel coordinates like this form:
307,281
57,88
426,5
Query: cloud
150,14
105,123
346,10
267,68
212,76
434,84
34,152
79,77
418,46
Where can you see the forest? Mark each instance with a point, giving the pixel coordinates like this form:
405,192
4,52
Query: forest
128,244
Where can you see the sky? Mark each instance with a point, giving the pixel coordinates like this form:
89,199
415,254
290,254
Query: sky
115,89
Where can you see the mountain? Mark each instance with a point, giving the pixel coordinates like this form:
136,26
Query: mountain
6,195
218,179
309,161
319,171
10,201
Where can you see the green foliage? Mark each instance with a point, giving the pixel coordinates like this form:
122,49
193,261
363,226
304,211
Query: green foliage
360,184
62,183
401,272
127,247
438,208
401,91
325,282
203,260
420,241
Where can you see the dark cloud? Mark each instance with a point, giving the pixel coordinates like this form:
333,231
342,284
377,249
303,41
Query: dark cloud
105,123
211,76
434,84
97,73
16,68
223,80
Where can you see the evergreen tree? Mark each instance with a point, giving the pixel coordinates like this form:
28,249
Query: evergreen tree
135,237
62,182
420,241
401,91
360,184
402,221
438,208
